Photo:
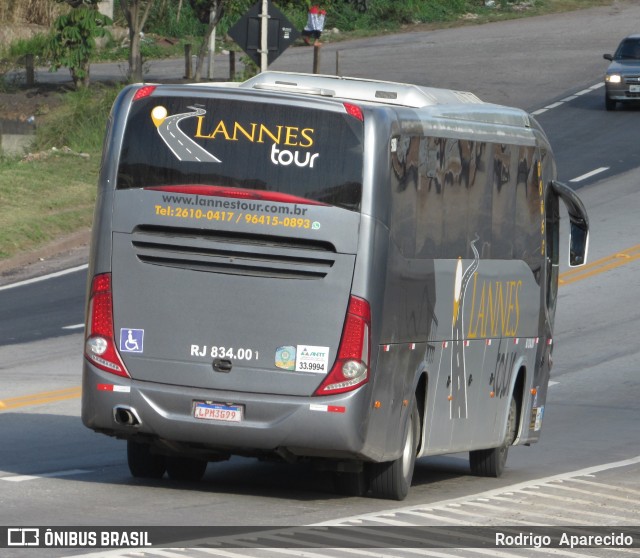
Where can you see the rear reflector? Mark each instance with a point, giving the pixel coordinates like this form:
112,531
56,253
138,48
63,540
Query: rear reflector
112,387
327,408
351,368
100,347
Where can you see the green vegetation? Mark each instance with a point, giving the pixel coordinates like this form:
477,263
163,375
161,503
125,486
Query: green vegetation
52,193
73,41
44,199
79,123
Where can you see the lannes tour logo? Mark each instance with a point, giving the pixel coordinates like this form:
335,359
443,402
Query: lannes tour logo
185,148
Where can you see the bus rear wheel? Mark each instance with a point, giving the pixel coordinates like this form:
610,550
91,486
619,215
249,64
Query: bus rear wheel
185,468
351,484
143,463
392,479
491,462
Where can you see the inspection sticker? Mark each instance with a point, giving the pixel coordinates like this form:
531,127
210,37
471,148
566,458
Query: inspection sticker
286,358
312,359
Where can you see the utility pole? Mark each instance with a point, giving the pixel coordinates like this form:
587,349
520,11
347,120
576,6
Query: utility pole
212,41
264,44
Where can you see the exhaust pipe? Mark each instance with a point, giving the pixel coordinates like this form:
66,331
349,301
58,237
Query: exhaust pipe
126,416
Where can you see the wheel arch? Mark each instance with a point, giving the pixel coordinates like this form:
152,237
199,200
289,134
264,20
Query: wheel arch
420,393
518,391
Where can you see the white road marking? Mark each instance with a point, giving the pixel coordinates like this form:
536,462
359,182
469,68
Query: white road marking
76,326
539,111
55,474
44,277
568,99
554,105
589,174
494,492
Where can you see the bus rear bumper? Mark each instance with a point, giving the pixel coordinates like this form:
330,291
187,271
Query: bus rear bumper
163,415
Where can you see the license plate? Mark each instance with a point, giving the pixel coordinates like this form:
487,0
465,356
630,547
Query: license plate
217,412
634,88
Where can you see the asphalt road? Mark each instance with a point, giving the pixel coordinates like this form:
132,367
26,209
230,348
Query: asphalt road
585,469
35,309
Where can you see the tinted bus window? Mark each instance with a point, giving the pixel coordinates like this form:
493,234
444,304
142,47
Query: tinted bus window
313,154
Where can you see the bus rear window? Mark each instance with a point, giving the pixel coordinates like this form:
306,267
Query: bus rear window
202,142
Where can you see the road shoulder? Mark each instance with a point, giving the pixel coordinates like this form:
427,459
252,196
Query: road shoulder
65,252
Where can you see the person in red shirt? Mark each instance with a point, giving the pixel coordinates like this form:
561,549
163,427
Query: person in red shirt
315,25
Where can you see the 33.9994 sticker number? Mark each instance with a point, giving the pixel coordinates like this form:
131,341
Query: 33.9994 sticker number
219,351
312,367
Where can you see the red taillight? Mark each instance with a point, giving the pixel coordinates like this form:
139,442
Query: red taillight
354,110
100,347
144,91
351,368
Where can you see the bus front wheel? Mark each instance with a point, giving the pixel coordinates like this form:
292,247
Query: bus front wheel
391,480
491,462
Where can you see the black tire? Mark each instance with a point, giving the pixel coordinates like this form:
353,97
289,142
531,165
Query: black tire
143,463
491,462
391,480
609,104
351,484
186,468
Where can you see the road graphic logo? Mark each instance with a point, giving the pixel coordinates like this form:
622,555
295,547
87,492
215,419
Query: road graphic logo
181,145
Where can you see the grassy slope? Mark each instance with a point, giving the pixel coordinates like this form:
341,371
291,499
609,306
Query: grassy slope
42,200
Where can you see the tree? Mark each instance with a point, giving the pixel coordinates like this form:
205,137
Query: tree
136,13
207,11
73,40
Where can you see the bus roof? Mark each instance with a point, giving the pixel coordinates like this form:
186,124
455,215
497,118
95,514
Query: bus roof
439,103
386,92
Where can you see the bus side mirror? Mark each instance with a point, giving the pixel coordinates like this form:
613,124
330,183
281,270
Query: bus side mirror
578,244
579,241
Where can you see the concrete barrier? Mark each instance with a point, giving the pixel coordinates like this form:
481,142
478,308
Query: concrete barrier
16,137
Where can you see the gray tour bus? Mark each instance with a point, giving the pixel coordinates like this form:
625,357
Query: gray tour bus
351,272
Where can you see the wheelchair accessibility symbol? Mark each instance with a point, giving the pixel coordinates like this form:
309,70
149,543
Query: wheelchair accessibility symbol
131,340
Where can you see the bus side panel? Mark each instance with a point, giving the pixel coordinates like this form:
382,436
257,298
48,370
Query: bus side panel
460,199
472,374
